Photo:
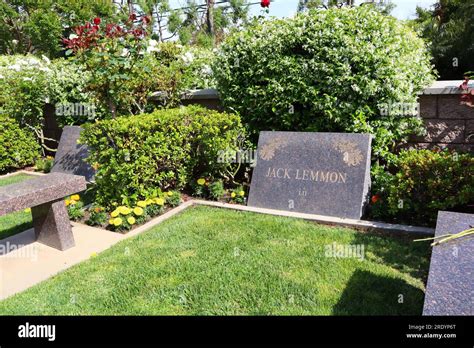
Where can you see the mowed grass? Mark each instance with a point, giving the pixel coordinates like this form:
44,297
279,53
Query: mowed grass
19,221
210,261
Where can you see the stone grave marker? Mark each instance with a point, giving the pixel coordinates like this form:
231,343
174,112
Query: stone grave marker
70,156
314,173
450,287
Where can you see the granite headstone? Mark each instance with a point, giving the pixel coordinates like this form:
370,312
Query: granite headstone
70,156
314,173
450,287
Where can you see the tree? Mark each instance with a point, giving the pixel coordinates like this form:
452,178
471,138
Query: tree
385,6
37,26
449,28
206,21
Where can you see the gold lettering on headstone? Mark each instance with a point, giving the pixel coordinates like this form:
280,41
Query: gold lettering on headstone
333,177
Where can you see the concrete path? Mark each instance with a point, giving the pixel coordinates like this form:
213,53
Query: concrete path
29,262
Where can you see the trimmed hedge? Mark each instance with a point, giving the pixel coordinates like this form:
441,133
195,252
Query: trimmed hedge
18,147
419,183
138,155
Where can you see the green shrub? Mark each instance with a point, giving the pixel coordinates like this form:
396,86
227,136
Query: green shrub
44,164
97,216
421,182
216,190
18,147
326,70
136,155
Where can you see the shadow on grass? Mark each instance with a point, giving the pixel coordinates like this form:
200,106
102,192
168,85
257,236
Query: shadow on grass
398,252
370,294
10,231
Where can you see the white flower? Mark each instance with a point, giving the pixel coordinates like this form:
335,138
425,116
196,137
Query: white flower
1,77
73,36
206,70
187,58
125,52
15,67
152,49
15,42
152,42
46,59
27,79
31,61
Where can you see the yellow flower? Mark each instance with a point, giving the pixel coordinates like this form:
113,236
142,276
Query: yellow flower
75,197
201,181
124,210
141,204
94,255
149,201
159,201
68,202
117,222
131,220
241,193
27,210
72,202
111,221
138,211
169,193
115,213
233,195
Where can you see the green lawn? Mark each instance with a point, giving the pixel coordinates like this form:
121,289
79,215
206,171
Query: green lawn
208,261
19,221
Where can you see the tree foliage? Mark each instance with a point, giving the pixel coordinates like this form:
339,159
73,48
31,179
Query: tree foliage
449,28
37,26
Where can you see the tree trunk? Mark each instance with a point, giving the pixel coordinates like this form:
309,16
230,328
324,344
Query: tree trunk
210,17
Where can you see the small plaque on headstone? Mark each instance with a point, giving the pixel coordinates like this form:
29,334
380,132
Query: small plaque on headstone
450,287
314,173
70,156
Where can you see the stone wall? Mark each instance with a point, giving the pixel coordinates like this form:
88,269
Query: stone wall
449,124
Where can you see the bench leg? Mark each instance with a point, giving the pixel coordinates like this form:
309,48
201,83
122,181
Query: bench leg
52,225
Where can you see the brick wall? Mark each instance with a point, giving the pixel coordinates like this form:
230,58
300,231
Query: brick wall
449,124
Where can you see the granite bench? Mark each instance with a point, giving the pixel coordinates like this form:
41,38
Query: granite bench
44,195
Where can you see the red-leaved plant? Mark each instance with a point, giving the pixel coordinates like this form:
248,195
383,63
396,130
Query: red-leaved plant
109,51
467,94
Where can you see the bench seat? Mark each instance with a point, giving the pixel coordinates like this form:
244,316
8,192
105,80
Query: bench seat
44,195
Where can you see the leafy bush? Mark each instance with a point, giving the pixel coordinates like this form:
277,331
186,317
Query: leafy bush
27,83
110,51
44,164
137,155
216,190
97,216
18,147
326,70
421,182
75,207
